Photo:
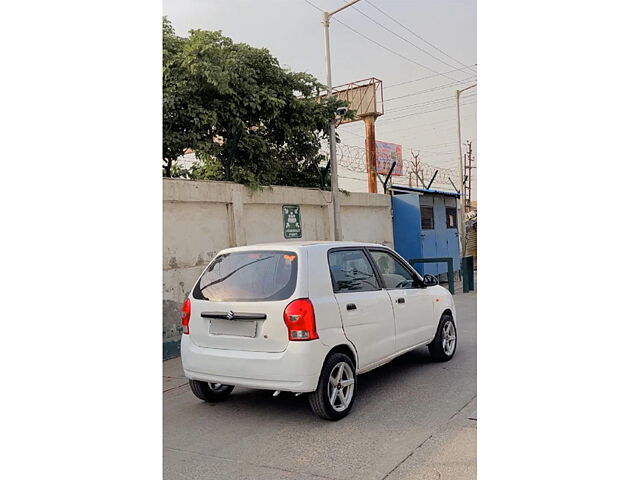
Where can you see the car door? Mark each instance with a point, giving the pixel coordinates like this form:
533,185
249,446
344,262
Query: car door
412,304
365,307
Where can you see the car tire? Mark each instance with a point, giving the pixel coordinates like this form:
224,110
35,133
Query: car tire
210,392
444,345
336,391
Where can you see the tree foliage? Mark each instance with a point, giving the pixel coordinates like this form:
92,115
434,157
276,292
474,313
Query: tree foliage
247,119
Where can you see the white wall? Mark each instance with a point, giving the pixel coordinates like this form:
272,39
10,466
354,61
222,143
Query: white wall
201,218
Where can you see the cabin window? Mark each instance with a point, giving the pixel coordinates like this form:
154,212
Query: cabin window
452,218
426,216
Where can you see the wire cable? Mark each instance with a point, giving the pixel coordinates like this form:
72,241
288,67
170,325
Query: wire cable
384,47
416,35
393,85
432,89
405,39
430,111
448,98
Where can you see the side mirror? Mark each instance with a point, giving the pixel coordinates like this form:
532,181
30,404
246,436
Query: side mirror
430,280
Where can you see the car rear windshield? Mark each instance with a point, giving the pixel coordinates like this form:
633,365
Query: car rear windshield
249,277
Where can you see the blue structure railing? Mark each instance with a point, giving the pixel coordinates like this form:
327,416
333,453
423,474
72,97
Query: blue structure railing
447,260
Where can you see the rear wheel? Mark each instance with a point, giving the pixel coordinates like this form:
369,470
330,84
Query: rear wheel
336,390
210,392
444,344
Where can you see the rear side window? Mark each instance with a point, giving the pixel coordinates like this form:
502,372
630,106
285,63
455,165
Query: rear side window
351,271
249,277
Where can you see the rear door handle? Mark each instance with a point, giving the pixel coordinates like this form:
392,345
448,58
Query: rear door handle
351,306
400,300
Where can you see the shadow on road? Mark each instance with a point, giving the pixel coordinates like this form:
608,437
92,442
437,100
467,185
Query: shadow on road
262,402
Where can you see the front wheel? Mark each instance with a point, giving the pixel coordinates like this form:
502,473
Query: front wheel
210,392
336,390
444,344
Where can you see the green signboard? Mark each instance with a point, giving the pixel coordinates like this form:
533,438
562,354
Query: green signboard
292,221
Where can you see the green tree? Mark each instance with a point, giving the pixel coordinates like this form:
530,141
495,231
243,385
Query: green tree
248,119
178,102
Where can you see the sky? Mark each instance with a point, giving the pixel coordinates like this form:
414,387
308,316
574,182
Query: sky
438,42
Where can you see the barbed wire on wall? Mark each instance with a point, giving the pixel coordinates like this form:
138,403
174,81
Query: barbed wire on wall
353,158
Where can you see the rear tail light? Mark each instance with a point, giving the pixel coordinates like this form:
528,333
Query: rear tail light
186,316
300,320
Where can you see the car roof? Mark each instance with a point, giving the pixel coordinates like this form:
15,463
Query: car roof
301,244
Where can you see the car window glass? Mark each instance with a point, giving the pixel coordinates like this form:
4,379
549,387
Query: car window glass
394,274
351,271
249,276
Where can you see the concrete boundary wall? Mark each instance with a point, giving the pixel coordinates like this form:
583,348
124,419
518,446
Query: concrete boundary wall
201,218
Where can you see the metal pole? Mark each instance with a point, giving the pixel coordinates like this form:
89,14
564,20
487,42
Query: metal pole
469,168
343,7
335,192
337,226
461,225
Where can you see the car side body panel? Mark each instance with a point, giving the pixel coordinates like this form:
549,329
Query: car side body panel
328,319
442,300
370,327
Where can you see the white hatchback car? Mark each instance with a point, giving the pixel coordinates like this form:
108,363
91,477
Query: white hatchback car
309,317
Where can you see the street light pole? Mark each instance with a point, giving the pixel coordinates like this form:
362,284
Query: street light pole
333,163
337,225
462,228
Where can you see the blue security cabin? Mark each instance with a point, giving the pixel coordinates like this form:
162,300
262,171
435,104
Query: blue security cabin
425,225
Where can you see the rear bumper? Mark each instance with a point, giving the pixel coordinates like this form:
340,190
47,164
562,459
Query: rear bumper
295,370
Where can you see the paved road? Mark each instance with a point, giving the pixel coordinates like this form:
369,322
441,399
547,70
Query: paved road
413,419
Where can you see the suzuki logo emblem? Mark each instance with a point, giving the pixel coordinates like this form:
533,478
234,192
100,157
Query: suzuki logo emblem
230,315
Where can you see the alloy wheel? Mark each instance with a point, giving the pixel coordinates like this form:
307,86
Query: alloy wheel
341,386
448,338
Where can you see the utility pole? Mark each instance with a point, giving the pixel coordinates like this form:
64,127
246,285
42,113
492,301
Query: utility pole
469,169
461,225
335,192
370,140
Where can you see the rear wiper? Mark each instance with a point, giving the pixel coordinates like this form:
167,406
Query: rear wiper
222,279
